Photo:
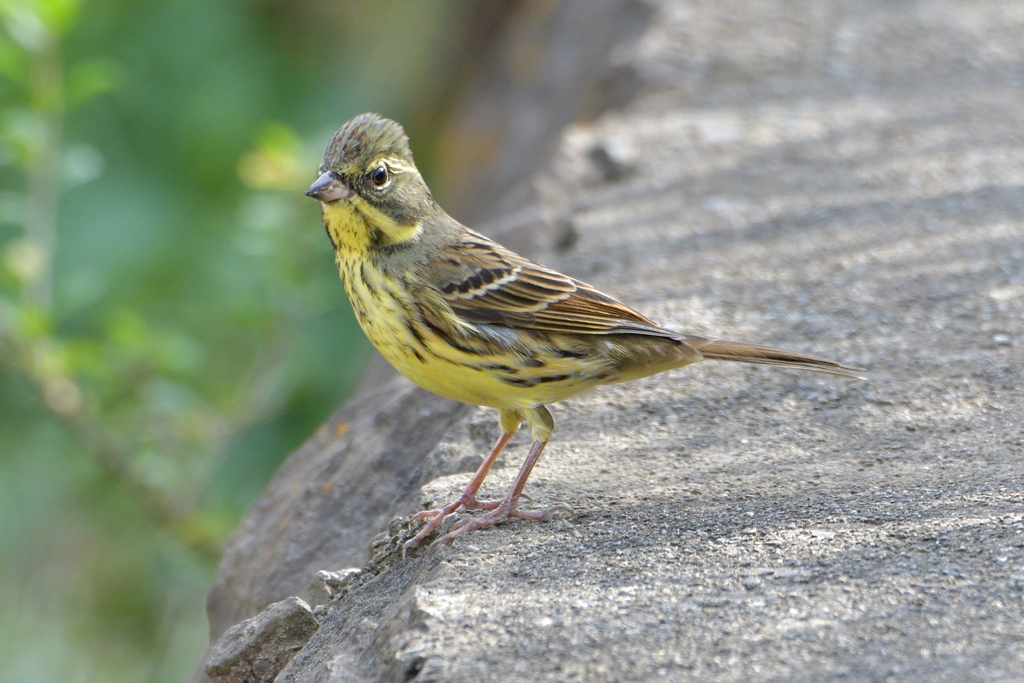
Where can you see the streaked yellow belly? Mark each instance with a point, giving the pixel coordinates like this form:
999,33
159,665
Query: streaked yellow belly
471,371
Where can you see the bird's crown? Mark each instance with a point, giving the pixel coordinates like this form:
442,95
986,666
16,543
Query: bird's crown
365,138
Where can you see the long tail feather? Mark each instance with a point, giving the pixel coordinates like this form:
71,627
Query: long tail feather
720,349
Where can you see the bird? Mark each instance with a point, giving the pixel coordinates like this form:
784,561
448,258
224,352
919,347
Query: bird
464,317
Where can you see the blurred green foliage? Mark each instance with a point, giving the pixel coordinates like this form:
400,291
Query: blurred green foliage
171,323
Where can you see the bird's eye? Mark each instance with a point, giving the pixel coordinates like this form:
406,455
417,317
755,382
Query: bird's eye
380,176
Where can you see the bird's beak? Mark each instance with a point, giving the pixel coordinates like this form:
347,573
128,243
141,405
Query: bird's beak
328,188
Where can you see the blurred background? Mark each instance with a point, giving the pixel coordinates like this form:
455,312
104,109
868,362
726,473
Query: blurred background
171,322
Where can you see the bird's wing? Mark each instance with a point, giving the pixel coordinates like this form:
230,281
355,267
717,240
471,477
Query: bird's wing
485,283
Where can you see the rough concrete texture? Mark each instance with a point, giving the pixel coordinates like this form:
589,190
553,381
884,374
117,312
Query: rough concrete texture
845,178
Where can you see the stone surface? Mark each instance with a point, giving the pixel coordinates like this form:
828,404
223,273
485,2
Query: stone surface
256,650
556,62
839,177
331,498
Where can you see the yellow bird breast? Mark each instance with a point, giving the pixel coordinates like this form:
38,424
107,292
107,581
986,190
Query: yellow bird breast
502,372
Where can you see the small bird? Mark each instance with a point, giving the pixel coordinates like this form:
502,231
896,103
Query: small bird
466,318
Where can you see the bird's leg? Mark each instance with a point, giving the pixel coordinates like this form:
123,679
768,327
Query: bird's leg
510,421
541,424
468,499
507,508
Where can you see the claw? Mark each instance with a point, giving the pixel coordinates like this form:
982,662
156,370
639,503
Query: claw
468,524
443,516
424,514
545,514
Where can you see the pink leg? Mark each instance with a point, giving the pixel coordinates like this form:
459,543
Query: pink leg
467,501
507,507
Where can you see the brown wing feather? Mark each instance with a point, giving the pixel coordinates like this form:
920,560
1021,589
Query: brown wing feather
485,283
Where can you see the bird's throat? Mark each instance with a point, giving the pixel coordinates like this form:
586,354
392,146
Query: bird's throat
357,229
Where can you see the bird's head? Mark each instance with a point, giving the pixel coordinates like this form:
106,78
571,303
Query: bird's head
368,170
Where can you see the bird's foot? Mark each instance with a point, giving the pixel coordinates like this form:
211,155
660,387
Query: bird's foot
497,516
437,517
465,503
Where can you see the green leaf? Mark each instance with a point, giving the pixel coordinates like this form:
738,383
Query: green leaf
25,26
25,132
13,61
85,357
33,322
91,79
59,16
127,329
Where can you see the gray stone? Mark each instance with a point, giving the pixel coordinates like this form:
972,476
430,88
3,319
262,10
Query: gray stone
612,158
331,498
328,585
256,650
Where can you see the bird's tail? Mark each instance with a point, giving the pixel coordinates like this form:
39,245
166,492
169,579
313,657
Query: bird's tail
720,349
